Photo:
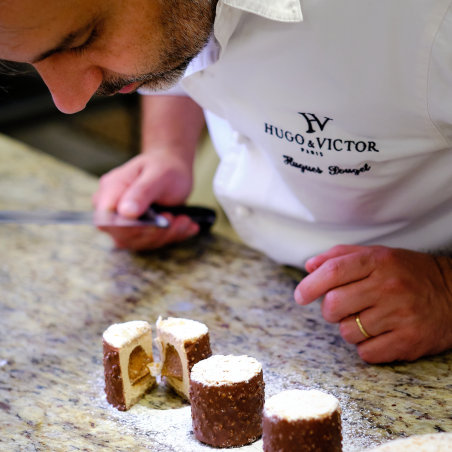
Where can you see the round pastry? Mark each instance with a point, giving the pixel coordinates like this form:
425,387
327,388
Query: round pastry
302,421
227,398
436,442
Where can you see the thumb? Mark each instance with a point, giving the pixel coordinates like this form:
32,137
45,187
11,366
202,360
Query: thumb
140,195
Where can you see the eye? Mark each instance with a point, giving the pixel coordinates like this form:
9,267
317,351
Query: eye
81,49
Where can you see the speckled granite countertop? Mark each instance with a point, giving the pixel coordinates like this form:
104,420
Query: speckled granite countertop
62,286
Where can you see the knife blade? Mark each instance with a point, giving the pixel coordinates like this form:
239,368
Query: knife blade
203,216
79,218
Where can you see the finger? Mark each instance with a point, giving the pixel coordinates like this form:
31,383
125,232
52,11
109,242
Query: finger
148,238
181,229
334,273
373,323
386,348
340,250
140,194
125,233
346,300
113,184
124,237
185,228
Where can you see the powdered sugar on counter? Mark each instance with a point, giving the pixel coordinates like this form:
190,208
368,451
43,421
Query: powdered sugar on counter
165,418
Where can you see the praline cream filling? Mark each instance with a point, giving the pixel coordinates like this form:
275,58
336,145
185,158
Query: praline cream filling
222,370
173,365
298,404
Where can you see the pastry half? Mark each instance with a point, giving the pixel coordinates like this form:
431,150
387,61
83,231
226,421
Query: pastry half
127,355
182,343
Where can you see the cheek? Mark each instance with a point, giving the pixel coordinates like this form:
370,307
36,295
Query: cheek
131,45
129,57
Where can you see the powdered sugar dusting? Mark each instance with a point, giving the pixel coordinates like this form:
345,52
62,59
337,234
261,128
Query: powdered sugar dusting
169,428
165,418
355,427
296,404
220,370
120,334
182,329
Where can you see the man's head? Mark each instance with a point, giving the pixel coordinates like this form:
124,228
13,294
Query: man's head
86,47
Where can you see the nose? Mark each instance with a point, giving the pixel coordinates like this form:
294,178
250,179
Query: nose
72,83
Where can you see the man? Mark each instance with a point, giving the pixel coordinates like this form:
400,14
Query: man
331,120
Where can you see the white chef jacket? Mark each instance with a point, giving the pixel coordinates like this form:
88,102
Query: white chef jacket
332,120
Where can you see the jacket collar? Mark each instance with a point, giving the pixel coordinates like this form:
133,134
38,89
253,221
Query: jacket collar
279,10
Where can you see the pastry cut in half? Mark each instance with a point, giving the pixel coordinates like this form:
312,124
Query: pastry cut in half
182,343
127,357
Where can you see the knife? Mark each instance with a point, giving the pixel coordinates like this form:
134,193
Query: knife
203,216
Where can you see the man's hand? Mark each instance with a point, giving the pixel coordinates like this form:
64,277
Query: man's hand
130,189
161,174
404,299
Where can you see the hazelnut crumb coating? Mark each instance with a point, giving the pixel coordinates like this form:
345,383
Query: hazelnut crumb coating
227,411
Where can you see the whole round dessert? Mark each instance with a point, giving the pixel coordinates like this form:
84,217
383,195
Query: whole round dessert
302,421
227,399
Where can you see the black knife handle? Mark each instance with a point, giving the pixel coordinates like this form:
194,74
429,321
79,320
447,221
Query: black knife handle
202,215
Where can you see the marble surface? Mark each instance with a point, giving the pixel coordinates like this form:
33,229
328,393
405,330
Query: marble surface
62,286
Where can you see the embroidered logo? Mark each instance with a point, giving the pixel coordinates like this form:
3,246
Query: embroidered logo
356,171
290,161
319,145
313,118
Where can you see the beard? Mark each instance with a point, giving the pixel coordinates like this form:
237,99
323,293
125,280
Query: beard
187,26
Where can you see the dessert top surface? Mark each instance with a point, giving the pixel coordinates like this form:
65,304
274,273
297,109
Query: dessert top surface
301,404
439,442
222,370
182,329
121,334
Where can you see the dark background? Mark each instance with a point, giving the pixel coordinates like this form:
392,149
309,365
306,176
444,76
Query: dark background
101,137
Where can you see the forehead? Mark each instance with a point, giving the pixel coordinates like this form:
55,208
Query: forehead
28,25
17,14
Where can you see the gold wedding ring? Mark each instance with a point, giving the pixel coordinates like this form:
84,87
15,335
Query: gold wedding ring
361,328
